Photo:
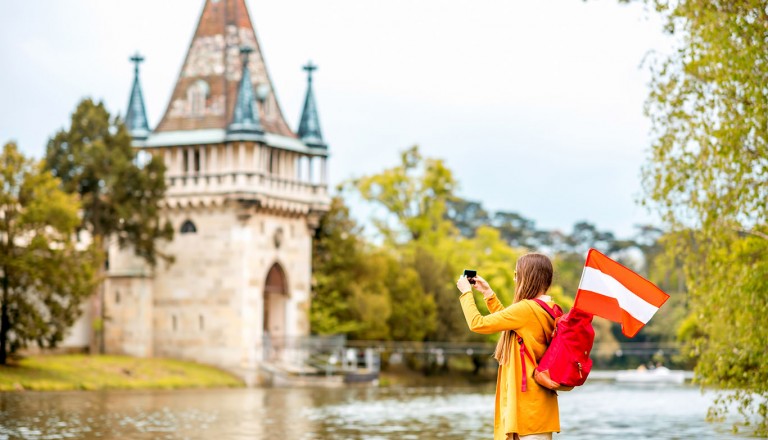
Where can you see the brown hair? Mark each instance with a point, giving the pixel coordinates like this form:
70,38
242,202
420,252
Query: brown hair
534,276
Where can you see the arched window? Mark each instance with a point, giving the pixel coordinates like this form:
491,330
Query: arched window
197,95
188,227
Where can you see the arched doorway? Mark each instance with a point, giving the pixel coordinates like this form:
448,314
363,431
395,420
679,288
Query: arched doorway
275,301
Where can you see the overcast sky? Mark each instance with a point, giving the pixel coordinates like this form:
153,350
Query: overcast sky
537,106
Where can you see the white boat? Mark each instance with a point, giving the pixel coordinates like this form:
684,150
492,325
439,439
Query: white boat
654,375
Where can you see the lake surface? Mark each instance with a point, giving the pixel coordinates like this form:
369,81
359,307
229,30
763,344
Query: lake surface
595,411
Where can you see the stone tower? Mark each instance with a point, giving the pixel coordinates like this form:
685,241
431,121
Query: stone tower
245,194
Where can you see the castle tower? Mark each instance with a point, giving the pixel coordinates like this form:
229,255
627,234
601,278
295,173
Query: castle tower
245,193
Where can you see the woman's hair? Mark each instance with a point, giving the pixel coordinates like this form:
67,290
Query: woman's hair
534,276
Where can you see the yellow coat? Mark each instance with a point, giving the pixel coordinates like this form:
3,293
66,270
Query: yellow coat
534,411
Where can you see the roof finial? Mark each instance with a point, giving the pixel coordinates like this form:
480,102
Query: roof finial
309,124
136,116
137,59
309,68
245,51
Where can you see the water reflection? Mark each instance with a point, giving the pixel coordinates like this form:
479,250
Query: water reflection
603,411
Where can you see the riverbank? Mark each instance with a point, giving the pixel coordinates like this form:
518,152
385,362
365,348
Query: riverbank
84,372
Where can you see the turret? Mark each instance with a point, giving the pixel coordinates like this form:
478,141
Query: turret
136,116
245,118
309,125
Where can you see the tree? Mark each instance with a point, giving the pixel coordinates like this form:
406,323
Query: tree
415,193
120,195
348,296
45,276
515,229
466,215
708,175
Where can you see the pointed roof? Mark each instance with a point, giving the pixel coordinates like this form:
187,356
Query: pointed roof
309,125
246,116
136,116
206,92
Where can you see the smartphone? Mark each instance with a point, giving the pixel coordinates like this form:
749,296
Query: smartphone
470,274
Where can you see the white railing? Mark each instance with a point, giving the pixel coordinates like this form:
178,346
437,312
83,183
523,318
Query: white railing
247,182
328,355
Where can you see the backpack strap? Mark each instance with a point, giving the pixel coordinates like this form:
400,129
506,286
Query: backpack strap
555,312
523,353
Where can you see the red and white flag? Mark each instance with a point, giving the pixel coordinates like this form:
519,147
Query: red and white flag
611,291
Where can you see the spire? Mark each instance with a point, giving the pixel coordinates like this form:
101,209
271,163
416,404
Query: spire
309,125
206,93
136,116
246,113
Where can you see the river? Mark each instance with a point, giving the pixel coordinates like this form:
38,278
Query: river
594,411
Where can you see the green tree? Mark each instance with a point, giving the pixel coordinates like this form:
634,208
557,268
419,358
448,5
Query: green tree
413,311
349,295
415,193
120,195
708,175
44,275
437,280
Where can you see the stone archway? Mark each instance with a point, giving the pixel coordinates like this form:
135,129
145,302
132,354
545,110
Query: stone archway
275,302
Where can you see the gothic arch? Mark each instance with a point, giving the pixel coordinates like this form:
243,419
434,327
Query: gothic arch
276,295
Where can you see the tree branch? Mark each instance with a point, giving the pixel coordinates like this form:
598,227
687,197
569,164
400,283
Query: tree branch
753,232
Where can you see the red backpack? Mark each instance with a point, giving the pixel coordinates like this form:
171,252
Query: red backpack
566,362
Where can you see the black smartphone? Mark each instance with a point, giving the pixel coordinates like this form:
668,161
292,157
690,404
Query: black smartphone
470,274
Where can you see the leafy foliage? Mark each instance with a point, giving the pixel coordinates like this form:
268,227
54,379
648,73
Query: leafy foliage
45,276
120,196
708,175
415,193
349,295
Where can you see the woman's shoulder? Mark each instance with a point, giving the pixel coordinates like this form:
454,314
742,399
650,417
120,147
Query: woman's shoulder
538,309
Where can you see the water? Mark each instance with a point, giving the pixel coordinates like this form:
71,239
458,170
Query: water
599,410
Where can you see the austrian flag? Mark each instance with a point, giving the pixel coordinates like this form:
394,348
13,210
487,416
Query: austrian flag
611,291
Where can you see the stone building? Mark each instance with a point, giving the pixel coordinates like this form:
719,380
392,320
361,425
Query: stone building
245,193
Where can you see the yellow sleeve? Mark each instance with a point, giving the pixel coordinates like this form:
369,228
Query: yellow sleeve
493,303
511,318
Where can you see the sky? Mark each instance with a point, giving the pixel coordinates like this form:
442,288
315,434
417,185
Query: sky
536,106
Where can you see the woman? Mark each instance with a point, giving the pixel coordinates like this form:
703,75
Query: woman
531,414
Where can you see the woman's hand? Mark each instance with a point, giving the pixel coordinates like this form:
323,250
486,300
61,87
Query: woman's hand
463,284
483,287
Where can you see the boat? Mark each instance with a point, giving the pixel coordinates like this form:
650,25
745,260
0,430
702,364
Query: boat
653,375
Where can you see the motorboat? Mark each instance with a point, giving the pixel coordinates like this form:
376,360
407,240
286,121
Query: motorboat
652,375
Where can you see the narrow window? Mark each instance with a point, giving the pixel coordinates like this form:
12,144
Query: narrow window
197,97
185,161
197,160
267,106
188,227
174,322
117,297
202,323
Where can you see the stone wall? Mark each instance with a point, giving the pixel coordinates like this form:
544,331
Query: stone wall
208,306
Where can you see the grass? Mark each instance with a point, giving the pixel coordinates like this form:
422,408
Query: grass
84,372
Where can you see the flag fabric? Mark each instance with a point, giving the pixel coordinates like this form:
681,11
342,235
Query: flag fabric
614,292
